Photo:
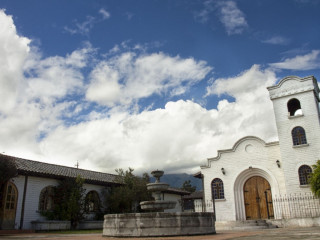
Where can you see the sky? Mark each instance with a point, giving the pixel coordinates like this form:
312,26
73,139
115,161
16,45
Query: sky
146,84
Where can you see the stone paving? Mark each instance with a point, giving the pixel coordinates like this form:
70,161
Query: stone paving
274,234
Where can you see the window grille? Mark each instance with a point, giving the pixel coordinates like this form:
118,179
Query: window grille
46,201
217,188
304,174
298,136
92,202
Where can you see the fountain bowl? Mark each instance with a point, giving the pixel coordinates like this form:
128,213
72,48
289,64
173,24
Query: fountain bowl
156,187
157,174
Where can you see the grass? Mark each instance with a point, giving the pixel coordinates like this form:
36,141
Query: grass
75,231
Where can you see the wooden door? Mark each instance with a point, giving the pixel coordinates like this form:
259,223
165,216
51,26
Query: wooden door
8,206
258,198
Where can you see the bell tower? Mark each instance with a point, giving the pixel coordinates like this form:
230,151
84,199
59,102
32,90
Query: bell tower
296,108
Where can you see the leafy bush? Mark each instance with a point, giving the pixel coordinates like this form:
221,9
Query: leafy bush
315,179
69,202
188,187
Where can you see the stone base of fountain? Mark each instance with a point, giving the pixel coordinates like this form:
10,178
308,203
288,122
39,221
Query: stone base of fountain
158,224
157,205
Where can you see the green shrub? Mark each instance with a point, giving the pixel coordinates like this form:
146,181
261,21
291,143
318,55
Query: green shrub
315,179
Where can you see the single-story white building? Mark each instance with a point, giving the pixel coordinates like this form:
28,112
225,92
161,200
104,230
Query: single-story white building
30,192
177,195
193,202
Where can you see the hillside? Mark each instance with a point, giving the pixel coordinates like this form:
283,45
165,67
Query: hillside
176,180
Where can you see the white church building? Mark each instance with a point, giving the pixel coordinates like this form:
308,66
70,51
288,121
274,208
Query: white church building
244,180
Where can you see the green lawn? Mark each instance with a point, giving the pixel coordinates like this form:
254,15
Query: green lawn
76,231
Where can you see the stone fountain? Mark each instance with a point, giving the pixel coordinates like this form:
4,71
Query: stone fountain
158,223
159,204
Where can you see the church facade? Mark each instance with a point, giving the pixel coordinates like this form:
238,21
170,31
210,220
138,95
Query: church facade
244,180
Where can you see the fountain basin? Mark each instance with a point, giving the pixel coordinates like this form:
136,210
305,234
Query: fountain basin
157,205
158,224
157,187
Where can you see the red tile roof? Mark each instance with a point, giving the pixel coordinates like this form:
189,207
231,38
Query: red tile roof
194,195
41,169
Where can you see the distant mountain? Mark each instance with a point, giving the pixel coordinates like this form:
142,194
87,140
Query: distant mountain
176,180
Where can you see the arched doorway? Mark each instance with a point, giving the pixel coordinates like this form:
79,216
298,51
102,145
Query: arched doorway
8,206
257,198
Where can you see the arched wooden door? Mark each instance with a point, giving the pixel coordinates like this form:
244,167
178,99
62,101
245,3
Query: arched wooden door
258,198
8,206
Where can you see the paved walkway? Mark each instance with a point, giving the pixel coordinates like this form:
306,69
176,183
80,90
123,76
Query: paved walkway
274,234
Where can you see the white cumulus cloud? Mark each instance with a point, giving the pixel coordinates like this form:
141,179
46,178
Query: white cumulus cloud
301,62
204,13
277,40
105,14
13,52
45,92
232,17
177,137
84,27
129,76
55,77
251,113
33,90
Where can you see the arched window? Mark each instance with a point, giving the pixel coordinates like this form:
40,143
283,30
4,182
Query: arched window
217,188
46,199
294,107
92,202
10,200
304,174
298,136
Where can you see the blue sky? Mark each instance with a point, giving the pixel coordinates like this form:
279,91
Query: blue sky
146,84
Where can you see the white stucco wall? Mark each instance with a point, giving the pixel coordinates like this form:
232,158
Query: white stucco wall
198,205
34,187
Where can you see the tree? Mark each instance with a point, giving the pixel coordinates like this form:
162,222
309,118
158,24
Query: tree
8,170
126,198
315,179
188,187
69,201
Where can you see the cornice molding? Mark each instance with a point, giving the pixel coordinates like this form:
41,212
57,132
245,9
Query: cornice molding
235,146
277,92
